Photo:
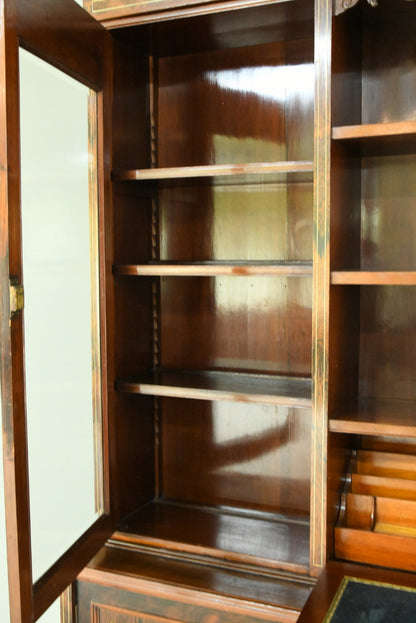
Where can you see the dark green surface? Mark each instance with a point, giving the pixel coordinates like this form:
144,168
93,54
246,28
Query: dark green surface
361,601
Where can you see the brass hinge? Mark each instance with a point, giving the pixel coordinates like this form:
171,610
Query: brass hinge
17,297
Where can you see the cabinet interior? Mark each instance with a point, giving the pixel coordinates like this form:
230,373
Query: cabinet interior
257,281
372,321
212,263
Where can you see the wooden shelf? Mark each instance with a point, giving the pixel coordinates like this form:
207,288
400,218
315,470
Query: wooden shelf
399,129
238,387
214,268
392,418
373,277
357,424
234,535
374,548
212,171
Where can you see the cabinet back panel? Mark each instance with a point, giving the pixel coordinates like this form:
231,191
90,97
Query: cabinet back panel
230,222
249,456
373,221
257,324
250,104
389,66
345,341
131,132
345,215
132,226
388,342
388,217
346,78
374,63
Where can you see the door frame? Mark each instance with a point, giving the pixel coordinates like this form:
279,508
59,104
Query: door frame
61,33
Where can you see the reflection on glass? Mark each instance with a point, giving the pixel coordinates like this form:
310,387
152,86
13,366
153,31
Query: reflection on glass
60,318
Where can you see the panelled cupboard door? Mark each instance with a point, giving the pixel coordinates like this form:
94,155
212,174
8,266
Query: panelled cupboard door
55,68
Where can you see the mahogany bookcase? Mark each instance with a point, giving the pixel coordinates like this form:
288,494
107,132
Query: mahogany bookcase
258,278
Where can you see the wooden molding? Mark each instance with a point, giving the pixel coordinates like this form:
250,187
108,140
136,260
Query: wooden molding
340,6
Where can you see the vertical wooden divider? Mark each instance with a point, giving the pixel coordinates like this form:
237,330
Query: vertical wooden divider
323,18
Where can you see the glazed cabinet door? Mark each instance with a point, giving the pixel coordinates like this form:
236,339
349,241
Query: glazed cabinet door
55,63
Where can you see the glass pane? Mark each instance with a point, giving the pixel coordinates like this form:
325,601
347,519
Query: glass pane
60,264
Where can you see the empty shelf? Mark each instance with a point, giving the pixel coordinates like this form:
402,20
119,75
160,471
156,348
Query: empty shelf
278,390
210,171
240,536
375,130
213,269
391,418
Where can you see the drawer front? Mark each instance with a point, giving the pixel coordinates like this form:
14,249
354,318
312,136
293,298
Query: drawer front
109,614
108,604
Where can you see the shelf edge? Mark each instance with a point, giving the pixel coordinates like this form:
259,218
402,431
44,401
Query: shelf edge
166,173
195,270
367,277
370,428
169,391
374,130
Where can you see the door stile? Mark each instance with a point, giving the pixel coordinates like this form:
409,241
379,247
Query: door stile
319,544
106,295
12,390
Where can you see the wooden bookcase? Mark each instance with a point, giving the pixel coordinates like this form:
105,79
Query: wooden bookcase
260,271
